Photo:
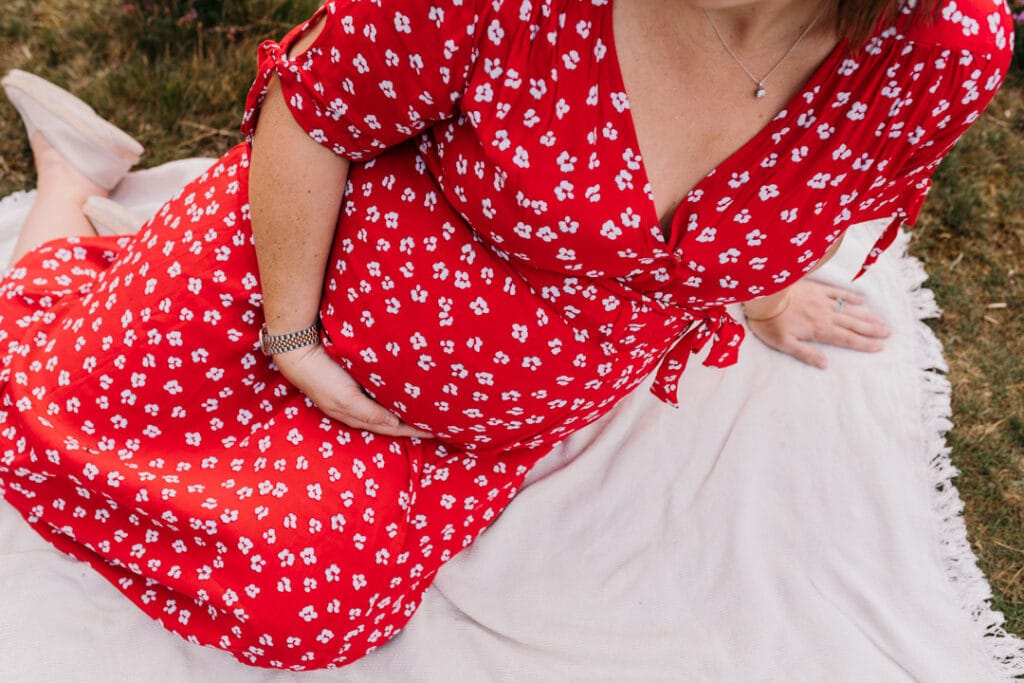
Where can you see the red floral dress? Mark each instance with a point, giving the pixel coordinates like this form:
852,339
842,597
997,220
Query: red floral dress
499,278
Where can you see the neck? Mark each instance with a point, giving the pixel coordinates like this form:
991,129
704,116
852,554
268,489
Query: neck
764,24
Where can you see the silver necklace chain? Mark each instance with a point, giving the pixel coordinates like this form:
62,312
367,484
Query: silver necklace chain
759,82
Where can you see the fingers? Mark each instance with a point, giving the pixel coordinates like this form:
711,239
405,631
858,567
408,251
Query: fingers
399,430
355,409
410,431
848,339
822,314
358,407
863,323
805,353
338,395
853,318
849,296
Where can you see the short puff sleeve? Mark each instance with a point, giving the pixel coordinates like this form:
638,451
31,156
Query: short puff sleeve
963,85
379,72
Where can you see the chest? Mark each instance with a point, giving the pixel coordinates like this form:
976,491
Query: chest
570,157
692,101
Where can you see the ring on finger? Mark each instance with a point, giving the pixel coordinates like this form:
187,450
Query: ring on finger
840,305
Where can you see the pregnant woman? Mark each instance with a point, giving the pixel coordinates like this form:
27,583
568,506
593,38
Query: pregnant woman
456,233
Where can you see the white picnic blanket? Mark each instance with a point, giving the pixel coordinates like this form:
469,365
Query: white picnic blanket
785,524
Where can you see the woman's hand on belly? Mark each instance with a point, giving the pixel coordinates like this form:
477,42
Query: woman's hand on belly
810,311
339,396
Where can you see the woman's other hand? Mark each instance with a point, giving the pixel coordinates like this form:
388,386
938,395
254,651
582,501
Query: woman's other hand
340,397
813,313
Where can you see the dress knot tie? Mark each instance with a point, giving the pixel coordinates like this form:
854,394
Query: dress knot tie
714,326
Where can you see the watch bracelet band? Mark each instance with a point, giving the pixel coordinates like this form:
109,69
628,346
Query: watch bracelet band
282,343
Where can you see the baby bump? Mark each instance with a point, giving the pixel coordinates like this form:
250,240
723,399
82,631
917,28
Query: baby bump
438,327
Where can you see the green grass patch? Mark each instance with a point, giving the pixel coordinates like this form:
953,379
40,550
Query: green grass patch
174,73
971,238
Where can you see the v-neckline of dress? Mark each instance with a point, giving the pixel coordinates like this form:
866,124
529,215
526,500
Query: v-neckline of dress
826,67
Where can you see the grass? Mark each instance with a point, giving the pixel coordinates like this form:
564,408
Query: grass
971,239
174,73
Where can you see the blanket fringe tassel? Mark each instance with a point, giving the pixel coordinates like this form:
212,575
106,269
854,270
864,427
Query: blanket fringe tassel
959,560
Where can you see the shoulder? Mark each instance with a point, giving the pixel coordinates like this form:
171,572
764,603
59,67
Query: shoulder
983,28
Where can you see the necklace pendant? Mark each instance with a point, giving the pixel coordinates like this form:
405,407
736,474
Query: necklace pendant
760,92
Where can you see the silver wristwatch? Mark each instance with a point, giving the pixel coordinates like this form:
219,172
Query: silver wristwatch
273,344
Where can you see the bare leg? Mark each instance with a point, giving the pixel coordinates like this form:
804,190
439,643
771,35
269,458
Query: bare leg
61,191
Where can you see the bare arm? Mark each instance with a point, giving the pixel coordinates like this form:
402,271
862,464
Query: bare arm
295,192
293,235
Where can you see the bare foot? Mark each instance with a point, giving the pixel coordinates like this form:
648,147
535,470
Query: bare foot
53,171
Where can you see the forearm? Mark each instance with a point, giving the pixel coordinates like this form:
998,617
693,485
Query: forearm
295,193
766,307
